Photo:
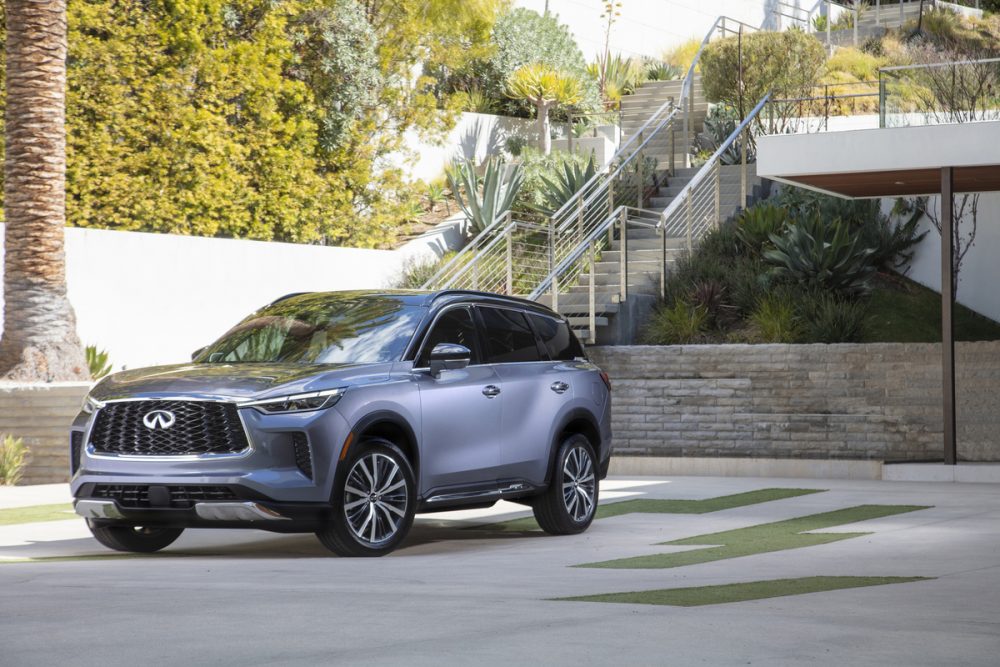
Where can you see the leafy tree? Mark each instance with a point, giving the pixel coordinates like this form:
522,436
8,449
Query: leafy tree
546,89
522,37
788,64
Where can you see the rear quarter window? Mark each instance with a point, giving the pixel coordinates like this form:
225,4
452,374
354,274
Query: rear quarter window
558,340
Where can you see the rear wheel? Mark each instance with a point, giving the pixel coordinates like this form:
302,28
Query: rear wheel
569,505
137,539
374,502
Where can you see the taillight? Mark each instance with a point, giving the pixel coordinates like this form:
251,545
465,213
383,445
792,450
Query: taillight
607,380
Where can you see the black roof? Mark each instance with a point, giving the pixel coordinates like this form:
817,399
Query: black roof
432,297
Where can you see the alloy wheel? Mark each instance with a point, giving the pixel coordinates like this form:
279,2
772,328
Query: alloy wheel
375,498
579,484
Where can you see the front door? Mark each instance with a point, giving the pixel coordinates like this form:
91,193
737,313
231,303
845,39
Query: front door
460,411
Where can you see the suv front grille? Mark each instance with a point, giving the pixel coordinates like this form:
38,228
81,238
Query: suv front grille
199,427
181,497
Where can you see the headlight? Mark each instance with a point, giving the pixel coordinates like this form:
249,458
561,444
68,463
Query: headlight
90,405
314,400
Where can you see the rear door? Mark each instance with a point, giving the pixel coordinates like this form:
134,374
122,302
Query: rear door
535,389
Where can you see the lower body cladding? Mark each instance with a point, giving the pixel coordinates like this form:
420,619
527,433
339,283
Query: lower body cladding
196,507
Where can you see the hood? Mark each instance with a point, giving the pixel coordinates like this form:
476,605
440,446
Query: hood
239,381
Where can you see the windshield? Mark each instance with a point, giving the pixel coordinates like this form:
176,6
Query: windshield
320,329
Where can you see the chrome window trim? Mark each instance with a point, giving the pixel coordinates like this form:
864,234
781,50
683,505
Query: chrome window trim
92,453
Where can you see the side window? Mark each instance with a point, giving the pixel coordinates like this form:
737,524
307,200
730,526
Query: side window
508,336
558,340
454,326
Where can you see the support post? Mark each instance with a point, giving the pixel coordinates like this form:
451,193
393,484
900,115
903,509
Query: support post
902,16
592,297
623,256
855,10
878,12
552,265
640,169
510,261
829,20
947,310
663,260
718,193
743,168
689,221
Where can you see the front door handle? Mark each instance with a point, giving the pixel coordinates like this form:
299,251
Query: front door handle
491,390
559,387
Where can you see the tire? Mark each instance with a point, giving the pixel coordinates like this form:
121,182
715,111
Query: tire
569,504
136,539
371,516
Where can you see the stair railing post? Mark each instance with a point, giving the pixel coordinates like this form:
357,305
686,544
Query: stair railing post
623,255
673,134
591,296
641,175
689,220
878,12
855,10
510,261
552,265
579,217
902,16
718,192
663,260
743,167
611,209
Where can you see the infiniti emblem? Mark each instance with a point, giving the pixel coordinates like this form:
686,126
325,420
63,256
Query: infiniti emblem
159,419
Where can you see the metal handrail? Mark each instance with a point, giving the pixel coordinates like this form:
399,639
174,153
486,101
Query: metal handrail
936,65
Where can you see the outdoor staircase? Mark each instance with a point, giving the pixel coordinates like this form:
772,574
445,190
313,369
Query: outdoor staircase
639,106
646,250
874,19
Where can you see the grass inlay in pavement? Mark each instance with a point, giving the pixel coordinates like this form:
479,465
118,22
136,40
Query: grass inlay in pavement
661,506
36,513
752,590
778,536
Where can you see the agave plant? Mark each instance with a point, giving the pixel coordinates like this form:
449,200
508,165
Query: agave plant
558,190
755,225
719,124
617,76
97,362
822,255
500,184
657,70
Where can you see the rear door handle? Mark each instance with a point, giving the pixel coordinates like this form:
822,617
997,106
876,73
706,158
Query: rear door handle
491,390
559,387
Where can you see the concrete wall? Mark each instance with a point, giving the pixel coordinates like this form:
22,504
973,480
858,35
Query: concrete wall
154,298
879,401
40,414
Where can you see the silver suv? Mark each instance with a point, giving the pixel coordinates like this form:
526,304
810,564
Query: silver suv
344,414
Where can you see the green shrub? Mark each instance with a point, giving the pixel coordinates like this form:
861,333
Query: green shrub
722,242
894,243
97,362
756,225
822,255
679,324
13,454
857,62
712,297
788,64
682,55
775,319
828,318
417,272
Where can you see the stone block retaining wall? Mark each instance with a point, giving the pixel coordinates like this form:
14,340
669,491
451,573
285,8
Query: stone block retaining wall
875,401
41,414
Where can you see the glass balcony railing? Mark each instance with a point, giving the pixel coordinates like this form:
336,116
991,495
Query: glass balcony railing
963,91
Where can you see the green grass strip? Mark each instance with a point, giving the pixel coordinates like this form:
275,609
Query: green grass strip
754,590
36,513
659,506
778,536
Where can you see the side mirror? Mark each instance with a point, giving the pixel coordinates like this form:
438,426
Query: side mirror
449,357
197,353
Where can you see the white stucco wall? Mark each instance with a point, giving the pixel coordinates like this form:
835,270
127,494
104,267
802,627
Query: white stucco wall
980,270
649,27
154,298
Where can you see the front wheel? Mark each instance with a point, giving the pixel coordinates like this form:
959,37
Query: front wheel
136,539
569,504
374,502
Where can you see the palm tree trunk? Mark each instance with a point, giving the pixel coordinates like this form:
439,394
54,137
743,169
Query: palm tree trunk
39,336
543,127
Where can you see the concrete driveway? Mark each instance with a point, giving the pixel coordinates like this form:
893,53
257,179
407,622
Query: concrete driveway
462,592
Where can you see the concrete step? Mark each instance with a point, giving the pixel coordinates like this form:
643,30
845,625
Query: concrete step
606,302
583,323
